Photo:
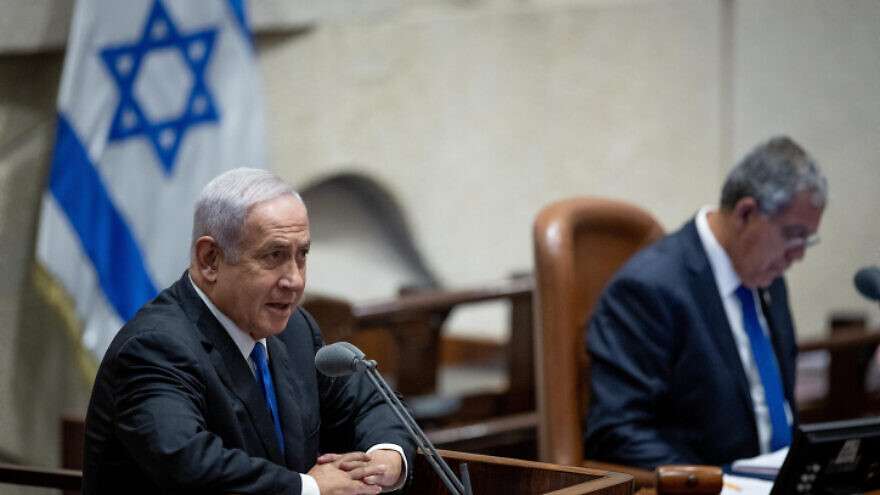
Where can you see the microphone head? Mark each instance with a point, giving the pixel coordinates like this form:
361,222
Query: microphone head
353,348
867,281
338,359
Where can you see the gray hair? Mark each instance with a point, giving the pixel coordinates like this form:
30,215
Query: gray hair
224,203
773,173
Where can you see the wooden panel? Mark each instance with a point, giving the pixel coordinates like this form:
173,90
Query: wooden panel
509,436
73,433
65,479
488,475
415,322
503,475
851,350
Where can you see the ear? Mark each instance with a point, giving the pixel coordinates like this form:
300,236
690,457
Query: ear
745,210
207,258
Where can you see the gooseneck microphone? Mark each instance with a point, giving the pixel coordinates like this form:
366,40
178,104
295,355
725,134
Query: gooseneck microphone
867,281
341,359
344,358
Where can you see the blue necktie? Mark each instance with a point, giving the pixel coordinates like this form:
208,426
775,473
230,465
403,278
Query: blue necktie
258,355
762,351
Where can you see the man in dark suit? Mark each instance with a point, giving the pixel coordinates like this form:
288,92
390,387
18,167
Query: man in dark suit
212,386
692,343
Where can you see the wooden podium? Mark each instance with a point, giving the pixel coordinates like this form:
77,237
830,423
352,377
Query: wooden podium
490,475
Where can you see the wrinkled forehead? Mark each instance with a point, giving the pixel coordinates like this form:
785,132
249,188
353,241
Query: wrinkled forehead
286,212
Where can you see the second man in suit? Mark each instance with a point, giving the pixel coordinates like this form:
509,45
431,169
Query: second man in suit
692,343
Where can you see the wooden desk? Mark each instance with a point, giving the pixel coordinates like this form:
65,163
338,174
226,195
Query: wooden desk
65,479
489,475
851,350
513,435
415,322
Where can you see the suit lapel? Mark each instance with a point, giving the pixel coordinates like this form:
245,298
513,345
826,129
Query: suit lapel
232,368
709,300
237,375
288,409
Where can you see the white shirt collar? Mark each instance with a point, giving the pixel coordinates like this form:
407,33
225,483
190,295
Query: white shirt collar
242,339
726,277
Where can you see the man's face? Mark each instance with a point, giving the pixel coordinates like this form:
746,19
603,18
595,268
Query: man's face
261,290
766,246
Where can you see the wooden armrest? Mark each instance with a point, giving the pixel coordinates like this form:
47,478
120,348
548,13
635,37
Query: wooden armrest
673,480
844,340
66,479
642,477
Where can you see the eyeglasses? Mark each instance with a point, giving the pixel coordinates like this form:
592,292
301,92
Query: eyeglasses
795,238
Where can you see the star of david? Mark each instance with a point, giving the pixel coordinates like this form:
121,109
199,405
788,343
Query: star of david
161,48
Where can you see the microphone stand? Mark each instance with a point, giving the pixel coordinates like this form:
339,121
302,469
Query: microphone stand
434,459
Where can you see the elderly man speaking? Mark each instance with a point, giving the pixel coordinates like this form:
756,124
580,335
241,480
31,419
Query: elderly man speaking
212,387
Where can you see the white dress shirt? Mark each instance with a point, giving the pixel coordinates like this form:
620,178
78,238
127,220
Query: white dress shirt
727,281
245,344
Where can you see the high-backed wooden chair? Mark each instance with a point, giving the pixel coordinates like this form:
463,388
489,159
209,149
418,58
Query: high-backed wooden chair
579,244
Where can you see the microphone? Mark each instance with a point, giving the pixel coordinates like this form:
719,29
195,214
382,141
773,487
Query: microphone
342,359
867,281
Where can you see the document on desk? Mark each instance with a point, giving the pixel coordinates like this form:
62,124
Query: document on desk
741,485
765,466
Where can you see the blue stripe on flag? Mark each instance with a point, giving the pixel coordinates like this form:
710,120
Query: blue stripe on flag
104,235
239,9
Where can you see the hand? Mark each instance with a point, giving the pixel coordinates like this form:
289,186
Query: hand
334,481
379,467
391,465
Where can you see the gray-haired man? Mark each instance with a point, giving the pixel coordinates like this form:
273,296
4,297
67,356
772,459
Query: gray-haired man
212,388
692,342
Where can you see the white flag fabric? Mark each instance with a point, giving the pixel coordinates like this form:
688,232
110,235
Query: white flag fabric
157,98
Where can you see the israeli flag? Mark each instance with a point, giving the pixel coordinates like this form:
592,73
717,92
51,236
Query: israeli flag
157,98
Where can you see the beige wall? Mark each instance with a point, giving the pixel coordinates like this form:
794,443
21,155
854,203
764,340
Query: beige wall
810,68
474,115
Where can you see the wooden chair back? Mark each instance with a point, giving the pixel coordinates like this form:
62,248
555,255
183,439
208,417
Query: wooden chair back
579,244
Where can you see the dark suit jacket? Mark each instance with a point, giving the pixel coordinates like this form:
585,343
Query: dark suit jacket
668,385
176,409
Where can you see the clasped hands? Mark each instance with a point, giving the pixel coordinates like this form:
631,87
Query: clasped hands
357,473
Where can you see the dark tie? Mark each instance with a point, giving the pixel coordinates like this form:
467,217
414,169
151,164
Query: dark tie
258,356
762,351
